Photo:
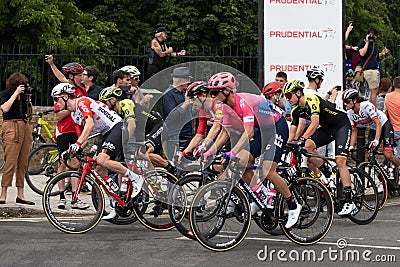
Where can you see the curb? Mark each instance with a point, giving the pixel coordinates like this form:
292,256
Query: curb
16,212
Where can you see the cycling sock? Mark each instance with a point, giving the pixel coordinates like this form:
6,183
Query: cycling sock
62,195
347,193
170,168
291,203
325,170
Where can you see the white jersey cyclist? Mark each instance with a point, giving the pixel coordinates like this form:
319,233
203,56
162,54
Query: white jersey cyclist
366,116
104,119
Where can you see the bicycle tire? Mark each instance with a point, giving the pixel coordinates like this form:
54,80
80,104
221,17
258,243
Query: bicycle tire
152,201
69,220
41,167
180,199
317,212
2,162
221,231
364,196
379,179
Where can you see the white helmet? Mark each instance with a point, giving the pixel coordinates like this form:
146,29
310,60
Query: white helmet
315,73
63,88
133,71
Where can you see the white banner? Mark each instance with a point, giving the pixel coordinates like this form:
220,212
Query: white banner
301,34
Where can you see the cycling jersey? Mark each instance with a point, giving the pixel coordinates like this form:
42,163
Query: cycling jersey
366,116
329,116
252,110
103,118
213,115
126,109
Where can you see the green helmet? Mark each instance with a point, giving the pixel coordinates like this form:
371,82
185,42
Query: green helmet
133,71
109,92
292,86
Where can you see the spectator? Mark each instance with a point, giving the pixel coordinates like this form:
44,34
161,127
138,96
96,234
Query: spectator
72,73
89,78
369,48
159,50
16,135
392,101
121,77
135,92
385,87
175,109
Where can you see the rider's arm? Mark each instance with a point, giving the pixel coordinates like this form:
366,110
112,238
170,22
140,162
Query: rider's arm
353,137
87,129
222,138
244,139
300,128
312,127
378,130
292,133
131,126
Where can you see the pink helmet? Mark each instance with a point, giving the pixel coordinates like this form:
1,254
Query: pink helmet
222,80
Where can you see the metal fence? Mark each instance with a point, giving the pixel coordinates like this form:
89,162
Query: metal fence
30,61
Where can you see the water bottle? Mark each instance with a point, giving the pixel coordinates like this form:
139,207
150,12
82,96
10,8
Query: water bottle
271,199
111,183
261,191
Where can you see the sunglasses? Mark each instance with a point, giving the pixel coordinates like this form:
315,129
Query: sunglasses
55,98
288,95
136,78
348,101
214,93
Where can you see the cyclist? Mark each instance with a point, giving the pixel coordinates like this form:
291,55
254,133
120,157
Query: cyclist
273,92
149,125
264,130
327,124
95,116
365,113
135,93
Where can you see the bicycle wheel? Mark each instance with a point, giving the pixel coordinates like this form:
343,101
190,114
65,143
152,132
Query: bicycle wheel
72,219
181,197
218,222
2,162
151,204
378,177
316,216
364,196
42,165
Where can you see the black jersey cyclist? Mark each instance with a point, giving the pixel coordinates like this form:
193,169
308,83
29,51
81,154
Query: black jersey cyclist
327,124
149,125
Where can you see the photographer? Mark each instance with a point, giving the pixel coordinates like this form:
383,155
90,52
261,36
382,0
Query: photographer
368,50
16,134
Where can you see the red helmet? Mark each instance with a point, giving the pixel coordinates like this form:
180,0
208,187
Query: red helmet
222,80
72,68
272,88
196,88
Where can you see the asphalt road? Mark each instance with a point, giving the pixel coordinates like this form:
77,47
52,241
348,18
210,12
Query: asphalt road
35,242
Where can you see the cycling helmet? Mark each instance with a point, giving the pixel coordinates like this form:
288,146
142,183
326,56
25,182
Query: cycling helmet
63,88
109,92
292,86
350,94
222,80
133,71
271,88
72,68
196,88
315,73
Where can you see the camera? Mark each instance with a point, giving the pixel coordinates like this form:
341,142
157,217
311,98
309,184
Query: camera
125,87
28,89
371,37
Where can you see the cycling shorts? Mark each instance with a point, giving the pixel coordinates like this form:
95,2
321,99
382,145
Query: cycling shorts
153,139
65,140
112,141
387,136
325,135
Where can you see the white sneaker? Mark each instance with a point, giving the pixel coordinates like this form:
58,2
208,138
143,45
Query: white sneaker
348,208
293,216
80,205
62,203
137,186
110,215
231,207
